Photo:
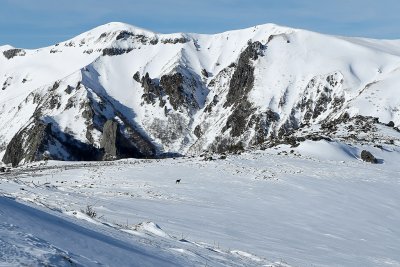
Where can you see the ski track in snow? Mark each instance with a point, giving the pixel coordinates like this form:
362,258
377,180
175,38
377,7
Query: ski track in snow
290,209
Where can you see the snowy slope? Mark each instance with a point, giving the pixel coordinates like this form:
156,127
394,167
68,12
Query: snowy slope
31,236
318,205
187,93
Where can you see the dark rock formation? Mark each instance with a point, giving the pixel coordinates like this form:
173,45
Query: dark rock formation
136,77
213,103
240,85
40,140
115,51
28,144
109,139
124,35
238,120
197,131
204,72
173,86
243,78
261,124
7,83
9,54
152,91
181,40
368,157
116,145
69,89
143,39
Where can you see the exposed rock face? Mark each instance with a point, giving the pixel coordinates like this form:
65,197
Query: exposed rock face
180,40
40,140
237,121
115,51
173,86
243,78
178,89
368,157
109,139
152,91
116,145
136,77
312,104
197,131
139,38
240,85
29,144
9,54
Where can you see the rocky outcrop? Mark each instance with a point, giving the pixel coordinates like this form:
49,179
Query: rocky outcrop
115,51
180,40
320,94
173,87
243,77
241,83
29,144
151,91
9,54
238,120
116,145
109,139
178,90
368,157
138,38
136,77
40,140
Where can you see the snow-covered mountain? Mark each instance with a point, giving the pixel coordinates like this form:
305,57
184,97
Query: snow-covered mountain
121,91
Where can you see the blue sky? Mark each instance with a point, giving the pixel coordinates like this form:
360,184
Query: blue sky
37,23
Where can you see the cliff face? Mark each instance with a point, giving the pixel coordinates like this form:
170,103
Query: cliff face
118,91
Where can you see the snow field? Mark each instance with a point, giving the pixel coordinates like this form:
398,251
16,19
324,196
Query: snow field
299,208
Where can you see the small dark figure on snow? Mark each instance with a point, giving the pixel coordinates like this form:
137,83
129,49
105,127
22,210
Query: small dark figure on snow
178,181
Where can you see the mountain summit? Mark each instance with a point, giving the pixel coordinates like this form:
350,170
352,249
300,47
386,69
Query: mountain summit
120,91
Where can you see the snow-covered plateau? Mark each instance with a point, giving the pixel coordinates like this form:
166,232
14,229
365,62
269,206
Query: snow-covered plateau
278,207
267,146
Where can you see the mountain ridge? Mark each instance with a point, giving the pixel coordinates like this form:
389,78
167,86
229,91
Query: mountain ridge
167,94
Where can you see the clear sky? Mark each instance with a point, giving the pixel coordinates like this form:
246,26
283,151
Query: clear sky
37,23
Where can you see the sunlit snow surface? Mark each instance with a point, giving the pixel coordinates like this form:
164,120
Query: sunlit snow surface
319,205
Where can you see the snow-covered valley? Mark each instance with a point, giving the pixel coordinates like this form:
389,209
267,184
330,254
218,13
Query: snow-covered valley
314,205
